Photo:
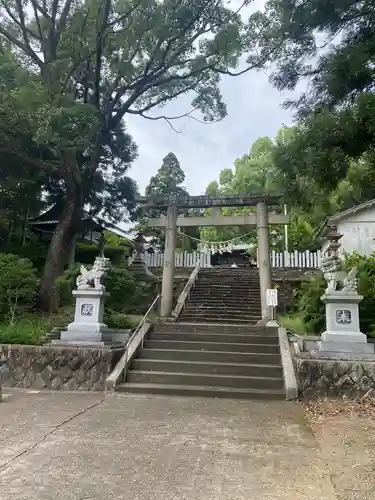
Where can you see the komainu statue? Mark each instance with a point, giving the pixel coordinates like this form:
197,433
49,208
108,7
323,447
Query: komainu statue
336,277
93,278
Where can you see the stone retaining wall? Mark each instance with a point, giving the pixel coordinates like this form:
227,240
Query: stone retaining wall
57,367
332,378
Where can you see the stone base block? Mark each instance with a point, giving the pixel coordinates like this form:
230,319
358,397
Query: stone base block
338,346
86,328
340,336
87,344
86,336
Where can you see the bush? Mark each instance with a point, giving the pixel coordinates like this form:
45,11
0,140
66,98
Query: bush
310,308
294,324
122,321
34,251
23,331
366,287
122,288
86,253
18,286
127,295
66,283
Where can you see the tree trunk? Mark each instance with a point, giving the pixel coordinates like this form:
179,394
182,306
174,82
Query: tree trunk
60,248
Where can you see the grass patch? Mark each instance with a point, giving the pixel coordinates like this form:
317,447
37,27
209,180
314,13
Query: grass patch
32,329
25,331
294,324
126,321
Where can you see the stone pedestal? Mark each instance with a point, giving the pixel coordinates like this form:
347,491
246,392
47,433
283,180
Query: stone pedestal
88,327
342,322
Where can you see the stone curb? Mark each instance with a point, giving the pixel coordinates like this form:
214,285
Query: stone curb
290,380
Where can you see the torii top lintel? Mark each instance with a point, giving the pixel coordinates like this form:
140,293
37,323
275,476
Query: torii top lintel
204,201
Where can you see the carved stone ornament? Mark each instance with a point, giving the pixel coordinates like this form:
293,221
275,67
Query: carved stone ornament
93,278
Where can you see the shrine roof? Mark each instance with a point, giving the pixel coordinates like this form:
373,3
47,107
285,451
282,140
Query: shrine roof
204,201
52,217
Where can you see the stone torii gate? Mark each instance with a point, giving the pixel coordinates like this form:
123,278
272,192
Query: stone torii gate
171,221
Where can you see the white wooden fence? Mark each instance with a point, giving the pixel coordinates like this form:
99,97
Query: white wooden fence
295,259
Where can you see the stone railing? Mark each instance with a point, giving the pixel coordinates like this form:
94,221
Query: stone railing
134,344
185,292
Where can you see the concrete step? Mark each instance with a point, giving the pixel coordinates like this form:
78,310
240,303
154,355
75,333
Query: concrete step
211,346
223,281
215,337
229,298
210,356
222,310
231,271
219,310
230,291
213,328
247,370
178,378
224,287
201,391
204,316
217,305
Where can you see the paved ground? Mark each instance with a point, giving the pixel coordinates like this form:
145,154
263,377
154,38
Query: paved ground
58,446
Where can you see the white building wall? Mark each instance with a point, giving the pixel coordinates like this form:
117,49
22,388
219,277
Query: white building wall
358,232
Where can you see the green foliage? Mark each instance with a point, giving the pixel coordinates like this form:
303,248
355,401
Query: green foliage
168,182
66,283
18,286
128,295
298,33
86,253
331,48
82,67
168,179
294,323
121,321
309,306
310,310
366,287
112,240
122,289
25,331
32,250
257,173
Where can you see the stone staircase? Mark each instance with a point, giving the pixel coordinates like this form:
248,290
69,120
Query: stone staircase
224,295
230,361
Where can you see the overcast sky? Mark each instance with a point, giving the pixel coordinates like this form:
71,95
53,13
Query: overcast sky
254,110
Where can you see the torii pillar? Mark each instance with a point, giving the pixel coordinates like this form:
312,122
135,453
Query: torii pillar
265,279
166,302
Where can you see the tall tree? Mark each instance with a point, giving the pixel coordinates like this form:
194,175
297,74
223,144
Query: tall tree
20,185
330,46
100,60
257,173
168,179
166,183
329,43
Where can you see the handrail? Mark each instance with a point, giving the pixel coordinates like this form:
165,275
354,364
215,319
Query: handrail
134,335
185,292
131,347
